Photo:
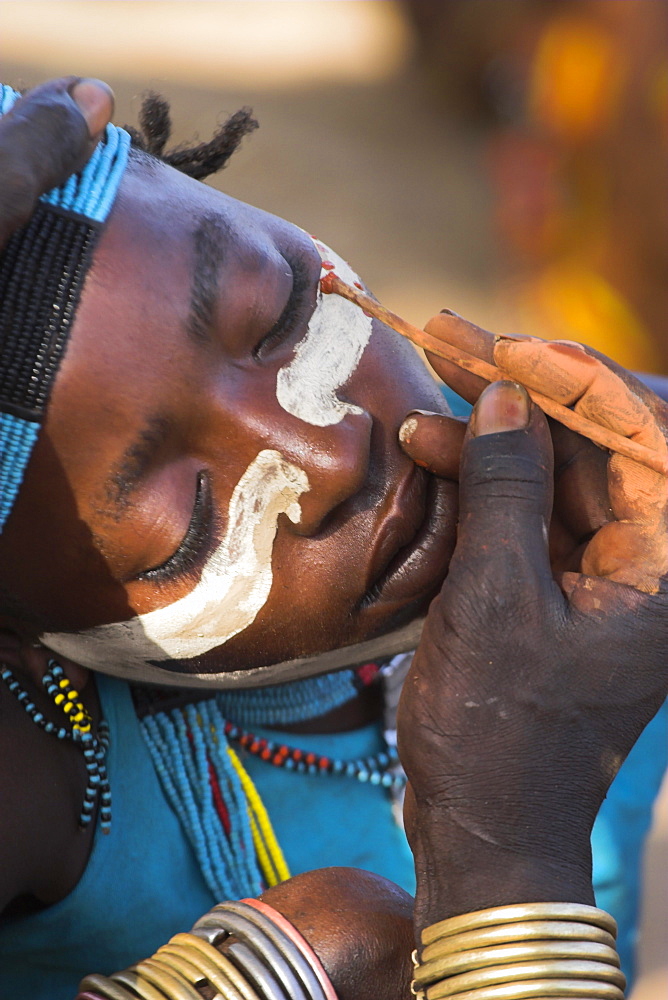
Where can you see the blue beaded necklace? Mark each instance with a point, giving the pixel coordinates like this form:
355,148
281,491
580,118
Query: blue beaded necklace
190,748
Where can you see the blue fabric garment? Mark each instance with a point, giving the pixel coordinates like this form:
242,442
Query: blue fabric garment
619,835
459,406
322,820
141,884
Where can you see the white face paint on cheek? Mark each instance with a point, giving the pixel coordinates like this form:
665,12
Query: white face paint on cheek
234,585
327,356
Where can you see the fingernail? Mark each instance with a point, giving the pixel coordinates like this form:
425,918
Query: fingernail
503,406
450,312
95,101
407,430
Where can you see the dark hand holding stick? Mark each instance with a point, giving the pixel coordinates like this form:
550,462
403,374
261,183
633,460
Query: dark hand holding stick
526,692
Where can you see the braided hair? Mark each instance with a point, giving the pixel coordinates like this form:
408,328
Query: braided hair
198,161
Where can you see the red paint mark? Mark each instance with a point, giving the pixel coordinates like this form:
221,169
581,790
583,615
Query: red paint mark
328,265
326,283
358,284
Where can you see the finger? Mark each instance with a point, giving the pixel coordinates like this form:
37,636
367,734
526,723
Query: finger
636,549
568,374
47,135
580,481
434,442
505,494
458,332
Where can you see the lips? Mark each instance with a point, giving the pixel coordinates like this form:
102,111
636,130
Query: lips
414,546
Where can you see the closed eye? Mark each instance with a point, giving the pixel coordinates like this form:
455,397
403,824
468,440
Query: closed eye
286,323
192,551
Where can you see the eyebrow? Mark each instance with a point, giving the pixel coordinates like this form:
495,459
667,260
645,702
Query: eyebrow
135,462
209,241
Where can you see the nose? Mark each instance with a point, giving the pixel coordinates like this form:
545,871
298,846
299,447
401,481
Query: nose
335,459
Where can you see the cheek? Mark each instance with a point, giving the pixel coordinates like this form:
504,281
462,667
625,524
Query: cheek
232,589
391,380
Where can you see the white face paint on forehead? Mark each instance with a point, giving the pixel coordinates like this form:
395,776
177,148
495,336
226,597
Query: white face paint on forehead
327,356
233,587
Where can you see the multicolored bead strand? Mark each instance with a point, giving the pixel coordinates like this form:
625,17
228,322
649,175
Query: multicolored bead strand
380,769
93,747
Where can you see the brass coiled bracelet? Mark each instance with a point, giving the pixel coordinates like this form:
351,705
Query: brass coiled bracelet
264,958
556,950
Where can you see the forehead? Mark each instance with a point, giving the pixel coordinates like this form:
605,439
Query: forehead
152,224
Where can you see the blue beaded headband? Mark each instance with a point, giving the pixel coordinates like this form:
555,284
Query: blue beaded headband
42,271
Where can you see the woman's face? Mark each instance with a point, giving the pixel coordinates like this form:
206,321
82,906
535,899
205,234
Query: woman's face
219,482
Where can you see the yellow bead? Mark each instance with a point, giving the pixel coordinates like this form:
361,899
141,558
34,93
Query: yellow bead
59,699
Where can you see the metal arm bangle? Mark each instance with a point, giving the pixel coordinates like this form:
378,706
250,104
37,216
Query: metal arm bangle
226,919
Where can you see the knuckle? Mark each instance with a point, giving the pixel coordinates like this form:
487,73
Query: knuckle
503,476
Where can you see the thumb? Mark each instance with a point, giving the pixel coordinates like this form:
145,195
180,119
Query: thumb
48,134
505,490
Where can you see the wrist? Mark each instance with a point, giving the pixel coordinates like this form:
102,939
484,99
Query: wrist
459,870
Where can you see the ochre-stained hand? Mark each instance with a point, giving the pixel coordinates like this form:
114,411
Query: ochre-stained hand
611,513
633,548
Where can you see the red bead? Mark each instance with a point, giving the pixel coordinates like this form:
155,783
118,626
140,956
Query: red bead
266,754
367,672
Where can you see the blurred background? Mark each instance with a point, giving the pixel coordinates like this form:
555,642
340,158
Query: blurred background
504,158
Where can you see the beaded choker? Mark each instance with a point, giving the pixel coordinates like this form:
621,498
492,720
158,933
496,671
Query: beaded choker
42,272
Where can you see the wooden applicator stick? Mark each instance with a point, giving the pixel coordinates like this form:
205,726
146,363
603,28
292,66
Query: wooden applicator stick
601,436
